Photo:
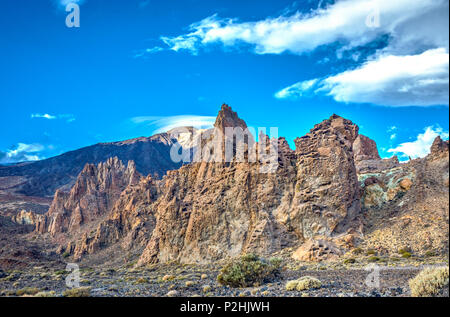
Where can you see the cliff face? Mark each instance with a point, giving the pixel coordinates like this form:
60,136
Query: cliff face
367,158
316,200
365,149
207,211
96,190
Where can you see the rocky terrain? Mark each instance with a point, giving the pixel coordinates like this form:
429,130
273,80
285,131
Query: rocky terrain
329,208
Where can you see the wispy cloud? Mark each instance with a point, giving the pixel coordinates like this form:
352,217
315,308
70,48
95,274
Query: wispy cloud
296,90
68,117
411,80
164,124
148,51
21,153
410,67
407,21
43,116
421,146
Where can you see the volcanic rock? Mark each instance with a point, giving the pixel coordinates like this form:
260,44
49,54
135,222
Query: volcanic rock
96,190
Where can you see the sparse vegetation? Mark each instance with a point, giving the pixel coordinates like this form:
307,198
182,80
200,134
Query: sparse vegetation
78,292
349,261
371,252
429,282
373,259
46,294
404,250
27,291
141,280
406,255
303,283
249,270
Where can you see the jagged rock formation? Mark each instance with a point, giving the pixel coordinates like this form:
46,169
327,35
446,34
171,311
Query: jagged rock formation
365,149
407,206
96,190
439,148
25,217
207,211
327,198
130,222
331,194
42,178
367,157
228,118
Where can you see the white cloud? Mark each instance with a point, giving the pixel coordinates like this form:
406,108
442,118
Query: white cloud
45,116
68,117
411,68
421,146
147,51
164,124
393,136
22,152
296,90
406,21
411,80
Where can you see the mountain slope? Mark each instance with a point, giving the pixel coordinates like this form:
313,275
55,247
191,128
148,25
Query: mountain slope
42,178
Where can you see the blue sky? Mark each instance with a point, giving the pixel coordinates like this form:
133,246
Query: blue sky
135,67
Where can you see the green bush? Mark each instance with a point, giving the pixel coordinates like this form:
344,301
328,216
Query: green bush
429,282
373,259
304,283
404,250
406,255
371,252
249,270
349,261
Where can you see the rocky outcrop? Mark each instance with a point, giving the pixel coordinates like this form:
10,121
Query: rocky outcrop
96,190
317,250
212,211
367,158
327,195
408,206
130,222
25,217
439,148
315,200
228,118
365,149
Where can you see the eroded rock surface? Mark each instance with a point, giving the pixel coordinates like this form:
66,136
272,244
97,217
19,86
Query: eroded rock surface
96,190
331,194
